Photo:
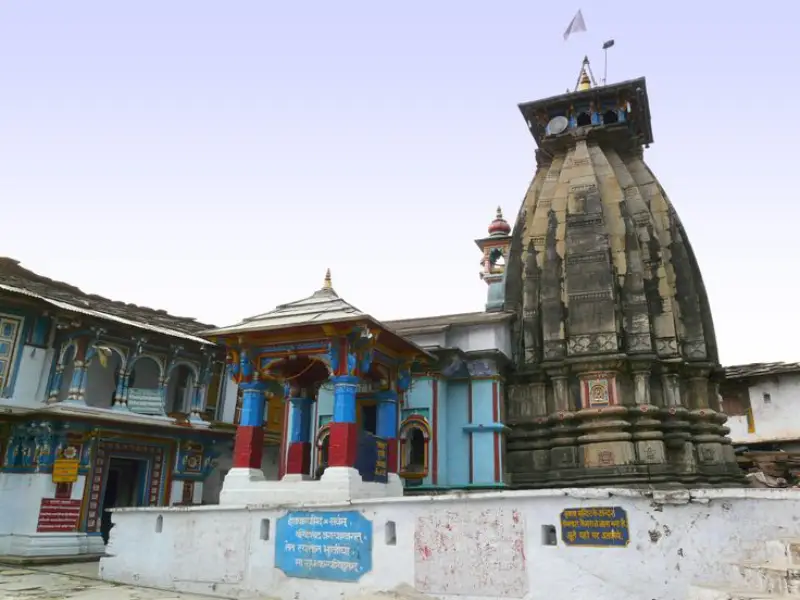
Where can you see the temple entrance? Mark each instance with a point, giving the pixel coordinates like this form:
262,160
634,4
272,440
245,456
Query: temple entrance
123,489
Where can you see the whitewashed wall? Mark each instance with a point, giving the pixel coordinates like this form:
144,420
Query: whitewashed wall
481,546
20,499
776,420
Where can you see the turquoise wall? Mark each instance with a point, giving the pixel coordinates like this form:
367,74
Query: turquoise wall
482,437
456,438
452,429
419,398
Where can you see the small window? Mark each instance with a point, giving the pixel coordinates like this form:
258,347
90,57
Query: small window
264,534
549,537
767,398
416,452
390,532
159,524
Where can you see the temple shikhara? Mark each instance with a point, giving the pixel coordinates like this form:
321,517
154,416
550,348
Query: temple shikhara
316,434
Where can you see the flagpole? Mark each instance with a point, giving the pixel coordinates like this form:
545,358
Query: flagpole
606,46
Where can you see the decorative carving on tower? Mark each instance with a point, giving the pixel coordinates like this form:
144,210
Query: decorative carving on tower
615,353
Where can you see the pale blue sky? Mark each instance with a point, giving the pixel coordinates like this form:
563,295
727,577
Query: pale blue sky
214,158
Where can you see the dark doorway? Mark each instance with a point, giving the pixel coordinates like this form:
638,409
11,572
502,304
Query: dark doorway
123,489
369,413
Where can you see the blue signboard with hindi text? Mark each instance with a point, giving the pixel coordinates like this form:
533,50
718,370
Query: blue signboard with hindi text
597,526
333,546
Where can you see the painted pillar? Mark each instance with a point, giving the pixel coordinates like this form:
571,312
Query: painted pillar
77,385
387,426
249,444
344,431
298,457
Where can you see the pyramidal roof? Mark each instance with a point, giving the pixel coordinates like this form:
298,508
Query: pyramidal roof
323,306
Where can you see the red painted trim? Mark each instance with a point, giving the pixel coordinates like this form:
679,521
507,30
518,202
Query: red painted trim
435,428
248,447
469,420
284,437
343,445
496,418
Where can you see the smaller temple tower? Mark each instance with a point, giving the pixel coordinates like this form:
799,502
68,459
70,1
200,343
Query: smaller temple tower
493,263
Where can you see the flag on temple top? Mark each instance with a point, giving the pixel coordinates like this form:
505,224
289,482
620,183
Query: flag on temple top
576,25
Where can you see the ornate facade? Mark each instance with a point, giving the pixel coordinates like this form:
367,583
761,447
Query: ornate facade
102,404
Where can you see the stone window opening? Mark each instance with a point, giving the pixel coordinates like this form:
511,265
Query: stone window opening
414,442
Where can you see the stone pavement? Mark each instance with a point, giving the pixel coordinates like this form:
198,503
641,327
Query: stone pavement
78,581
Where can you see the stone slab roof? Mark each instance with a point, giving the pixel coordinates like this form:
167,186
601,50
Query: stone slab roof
323,306
761,370
444,322
17,280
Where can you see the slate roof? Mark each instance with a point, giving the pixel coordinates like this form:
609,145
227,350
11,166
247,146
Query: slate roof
761,370
15,279
323,306
443,322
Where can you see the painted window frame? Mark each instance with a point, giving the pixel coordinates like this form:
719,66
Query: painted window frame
323,434
421,424
8,373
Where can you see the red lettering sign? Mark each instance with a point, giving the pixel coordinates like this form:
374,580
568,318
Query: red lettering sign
58,516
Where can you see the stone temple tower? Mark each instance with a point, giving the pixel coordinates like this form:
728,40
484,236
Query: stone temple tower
615,369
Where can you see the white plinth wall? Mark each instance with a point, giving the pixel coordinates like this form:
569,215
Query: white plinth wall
20,500
479,546
338,484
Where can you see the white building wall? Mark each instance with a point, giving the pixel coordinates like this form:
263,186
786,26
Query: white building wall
776,416
20,498
486,546
30,388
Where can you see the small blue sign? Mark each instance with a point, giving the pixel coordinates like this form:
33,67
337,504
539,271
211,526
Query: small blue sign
601,526
372,458
334,546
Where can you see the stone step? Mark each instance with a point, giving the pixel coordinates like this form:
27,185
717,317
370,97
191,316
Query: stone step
772,577
699,592
785,550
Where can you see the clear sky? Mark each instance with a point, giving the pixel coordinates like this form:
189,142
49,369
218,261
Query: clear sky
214,158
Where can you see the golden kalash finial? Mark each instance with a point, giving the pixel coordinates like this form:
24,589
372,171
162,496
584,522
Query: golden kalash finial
327,284
586,77
585,83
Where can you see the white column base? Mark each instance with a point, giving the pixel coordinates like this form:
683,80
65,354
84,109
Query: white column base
338,484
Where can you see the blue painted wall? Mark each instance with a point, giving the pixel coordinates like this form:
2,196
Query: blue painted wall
419,398
456,439
482,437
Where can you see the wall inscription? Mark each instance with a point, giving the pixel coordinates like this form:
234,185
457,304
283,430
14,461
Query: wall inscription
602,526
334,546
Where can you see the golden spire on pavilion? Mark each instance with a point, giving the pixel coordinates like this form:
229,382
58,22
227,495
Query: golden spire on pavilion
327,284
585,83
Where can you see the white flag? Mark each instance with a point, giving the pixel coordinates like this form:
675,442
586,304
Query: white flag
576,25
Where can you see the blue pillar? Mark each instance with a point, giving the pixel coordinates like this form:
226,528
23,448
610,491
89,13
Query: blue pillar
249,442
253,403
387,415
301,420
344,435
387,427
344,398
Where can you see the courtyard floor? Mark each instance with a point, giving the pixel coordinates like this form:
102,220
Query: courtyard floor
78,581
